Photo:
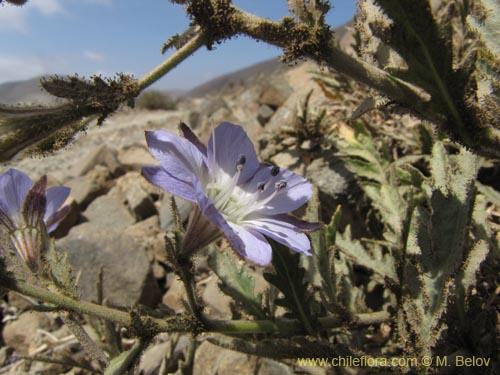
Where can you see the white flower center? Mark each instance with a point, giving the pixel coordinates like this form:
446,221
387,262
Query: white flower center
234,202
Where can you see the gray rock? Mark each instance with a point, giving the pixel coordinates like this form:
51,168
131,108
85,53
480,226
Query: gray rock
172,298
22,333
330,177
84,190
333,180
275,92
211,105
284,115
289,159
109,212
218,303
139,201
149,234
102,155
224,114
271,367
5,354
264,114
135,156
211,359
193,119
167,223
127,271
153,356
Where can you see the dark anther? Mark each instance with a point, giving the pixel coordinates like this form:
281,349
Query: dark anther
261,186
242,160
275,171
280,184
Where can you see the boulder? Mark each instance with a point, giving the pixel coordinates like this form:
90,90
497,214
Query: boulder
135,156
275,92
127,271
109,212
264,114
102,155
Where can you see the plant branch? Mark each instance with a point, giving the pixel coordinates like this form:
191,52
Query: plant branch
175,59
396,89
184,323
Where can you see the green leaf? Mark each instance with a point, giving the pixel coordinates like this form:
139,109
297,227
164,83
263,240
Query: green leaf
489,27
490,193
321,266
289,279
382,264
439,167
438,242
237,283
60,271
121,364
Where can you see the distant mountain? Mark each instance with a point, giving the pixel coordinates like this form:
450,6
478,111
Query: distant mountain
343,34
30,91
26,92
241,76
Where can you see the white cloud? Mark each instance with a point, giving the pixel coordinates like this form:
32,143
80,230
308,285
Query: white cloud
14,18
46,7
100,2
93,56
13,68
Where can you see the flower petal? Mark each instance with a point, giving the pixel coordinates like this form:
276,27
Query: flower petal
52,221
191,137
56,196
282,232
34,204
231,142
304,226
178,156
256,248
296,193
14,186
159,177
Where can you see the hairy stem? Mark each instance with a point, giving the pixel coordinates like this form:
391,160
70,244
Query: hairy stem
180,55
396,89
183,323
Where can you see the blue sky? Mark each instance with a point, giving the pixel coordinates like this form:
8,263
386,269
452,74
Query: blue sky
108,36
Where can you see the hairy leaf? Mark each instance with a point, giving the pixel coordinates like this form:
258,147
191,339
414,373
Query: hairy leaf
437,245
237,283
60,271
289,279
383,265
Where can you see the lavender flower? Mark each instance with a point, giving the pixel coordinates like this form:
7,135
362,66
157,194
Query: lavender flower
236,195
28,211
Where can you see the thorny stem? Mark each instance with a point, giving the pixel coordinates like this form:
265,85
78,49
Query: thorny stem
180,55
184,323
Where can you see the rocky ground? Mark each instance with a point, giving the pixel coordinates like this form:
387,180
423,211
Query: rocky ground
118,219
